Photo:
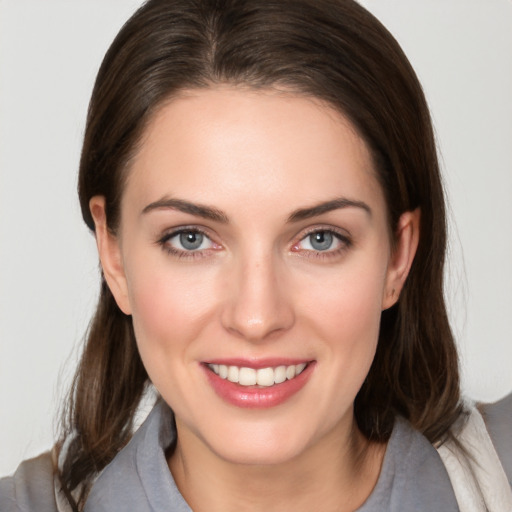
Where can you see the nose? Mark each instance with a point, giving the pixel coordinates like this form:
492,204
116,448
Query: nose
257,305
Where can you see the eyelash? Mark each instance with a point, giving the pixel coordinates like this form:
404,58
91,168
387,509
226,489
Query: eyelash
343,239
163,242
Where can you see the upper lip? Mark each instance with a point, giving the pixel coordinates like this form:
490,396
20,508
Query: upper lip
270,362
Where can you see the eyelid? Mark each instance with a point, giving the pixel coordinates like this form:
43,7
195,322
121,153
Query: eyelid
183,253
342,234
192,228
344,238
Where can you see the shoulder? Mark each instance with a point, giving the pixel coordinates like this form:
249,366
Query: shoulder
413,476
30,488
475,469
498,419
423,480
138,477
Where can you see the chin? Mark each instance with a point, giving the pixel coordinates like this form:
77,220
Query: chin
259,445
255,456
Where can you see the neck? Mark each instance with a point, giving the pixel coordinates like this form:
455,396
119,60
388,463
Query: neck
338,471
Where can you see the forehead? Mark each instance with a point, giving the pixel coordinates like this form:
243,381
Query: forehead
260,148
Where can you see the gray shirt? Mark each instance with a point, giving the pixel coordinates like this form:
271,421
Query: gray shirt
413,477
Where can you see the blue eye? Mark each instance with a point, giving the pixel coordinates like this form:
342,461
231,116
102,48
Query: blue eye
191,241
323,240
188,241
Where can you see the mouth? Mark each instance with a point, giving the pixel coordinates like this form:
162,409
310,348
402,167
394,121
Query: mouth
260,385
262,377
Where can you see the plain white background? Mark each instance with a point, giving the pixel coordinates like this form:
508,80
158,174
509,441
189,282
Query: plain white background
49,54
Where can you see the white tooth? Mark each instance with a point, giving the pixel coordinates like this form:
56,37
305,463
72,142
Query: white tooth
299,368
247,376
233,373
215,368
290,372
280,374
223,371
265,377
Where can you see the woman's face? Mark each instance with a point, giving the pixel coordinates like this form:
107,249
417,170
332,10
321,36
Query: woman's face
254,246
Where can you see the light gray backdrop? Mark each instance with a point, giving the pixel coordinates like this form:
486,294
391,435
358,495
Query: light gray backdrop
49,53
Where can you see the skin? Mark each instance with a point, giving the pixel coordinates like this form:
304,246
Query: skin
257,288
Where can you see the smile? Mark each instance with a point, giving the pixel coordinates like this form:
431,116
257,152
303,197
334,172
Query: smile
264,377
270,384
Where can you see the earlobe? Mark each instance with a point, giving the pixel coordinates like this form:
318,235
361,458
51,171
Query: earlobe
110,254
406,243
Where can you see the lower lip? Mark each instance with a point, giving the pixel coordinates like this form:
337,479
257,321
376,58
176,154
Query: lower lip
254,397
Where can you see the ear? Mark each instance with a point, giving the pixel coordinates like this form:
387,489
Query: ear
110,254
406,242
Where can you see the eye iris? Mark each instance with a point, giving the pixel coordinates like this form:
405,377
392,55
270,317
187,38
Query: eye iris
191,240
321,241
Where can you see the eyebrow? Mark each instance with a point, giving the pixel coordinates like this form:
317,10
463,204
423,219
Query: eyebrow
207,212
327,206
211,213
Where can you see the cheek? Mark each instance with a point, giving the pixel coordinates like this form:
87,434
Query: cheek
345,314
351,325
170,306
349,301
171,309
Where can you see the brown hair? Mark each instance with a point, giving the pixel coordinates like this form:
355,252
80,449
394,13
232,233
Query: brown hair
333,50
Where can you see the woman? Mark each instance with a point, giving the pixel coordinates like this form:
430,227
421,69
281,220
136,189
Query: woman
262,181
